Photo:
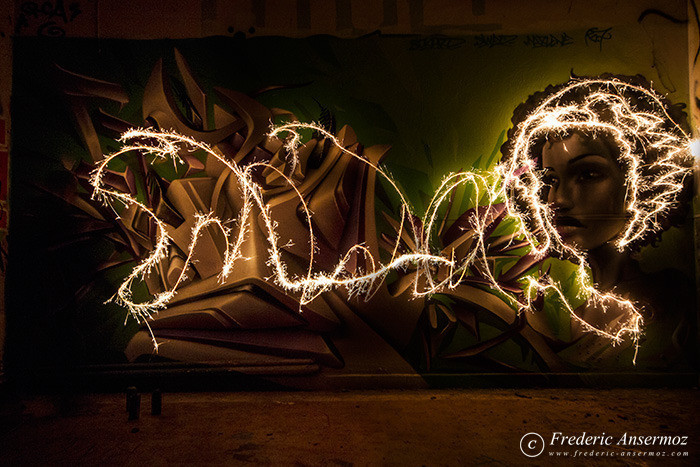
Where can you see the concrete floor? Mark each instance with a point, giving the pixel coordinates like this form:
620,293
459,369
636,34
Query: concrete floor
444,427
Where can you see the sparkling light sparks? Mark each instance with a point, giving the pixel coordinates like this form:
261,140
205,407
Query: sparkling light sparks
435,271
652,187
168,145
662,179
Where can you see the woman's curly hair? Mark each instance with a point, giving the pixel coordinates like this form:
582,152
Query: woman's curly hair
647,134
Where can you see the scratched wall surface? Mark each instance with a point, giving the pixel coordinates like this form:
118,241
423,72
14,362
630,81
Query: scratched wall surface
342,18
438,85
5,87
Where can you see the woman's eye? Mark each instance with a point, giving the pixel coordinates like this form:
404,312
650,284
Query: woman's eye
589,175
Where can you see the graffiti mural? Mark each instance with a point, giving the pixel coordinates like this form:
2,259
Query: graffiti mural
238,215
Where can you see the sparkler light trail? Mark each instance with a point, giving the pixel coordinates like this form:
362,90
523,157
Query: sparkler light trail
435,271
654,151
652,187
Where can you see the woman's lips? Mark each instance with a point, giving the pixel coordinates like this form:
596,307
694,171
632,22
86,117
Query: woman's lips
568,226
567,231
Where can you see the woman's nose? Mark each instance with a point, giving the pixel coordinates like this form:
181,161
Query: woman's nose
559,197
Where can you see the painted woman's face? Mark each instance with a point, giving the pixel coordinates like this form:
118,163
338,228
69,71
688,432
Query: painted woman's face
586,190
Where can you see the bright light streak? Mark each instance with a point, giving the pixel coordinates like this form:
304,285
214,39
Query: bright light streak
695,148
517,173
662,180
652,188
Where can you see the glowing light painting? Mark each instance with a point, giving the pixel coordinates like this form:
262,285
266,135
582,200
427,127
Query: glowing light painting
515,181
